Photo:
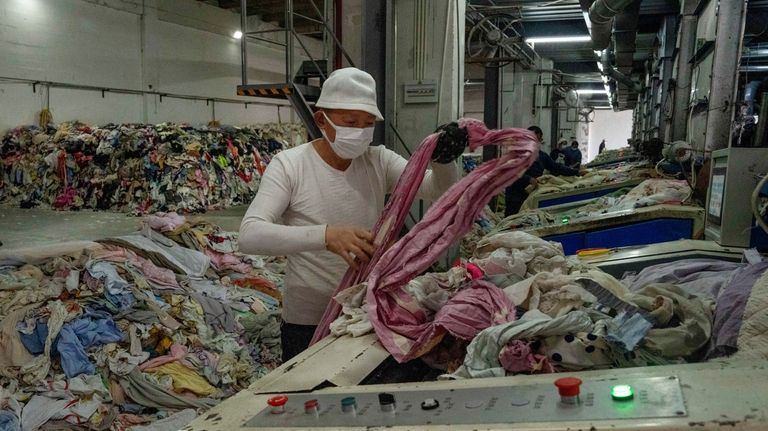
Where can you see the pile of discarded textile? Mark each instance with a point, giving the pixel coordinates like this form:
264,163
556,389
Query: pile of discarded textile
520,306
614,156
156,325
137,168
648,193
482,226
548,184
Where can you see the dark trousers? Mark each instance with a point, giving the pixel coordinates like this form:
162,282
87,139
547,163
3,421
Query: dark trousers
514,196
295,339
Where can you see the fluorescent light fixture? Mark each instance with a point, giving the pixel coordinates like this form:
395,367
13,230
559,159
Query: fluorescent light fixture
238,34
591,91
558,39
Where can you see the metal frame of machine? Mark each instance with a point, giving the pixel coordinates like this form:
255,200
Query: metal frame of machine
568,196
713,392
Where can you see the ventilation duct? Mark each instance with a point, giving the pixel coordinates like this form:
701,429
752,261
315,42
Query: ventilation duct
601,14
611,72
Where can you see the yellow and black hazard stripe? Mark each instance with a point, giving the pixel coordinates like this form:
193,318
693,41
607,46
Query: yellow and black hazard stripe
264,92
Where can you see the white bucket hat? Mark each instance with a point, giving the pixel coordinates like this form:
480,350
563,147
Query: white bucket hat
350,88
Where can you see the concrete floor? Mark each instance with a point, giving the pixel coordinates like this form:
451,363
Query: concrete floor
35,227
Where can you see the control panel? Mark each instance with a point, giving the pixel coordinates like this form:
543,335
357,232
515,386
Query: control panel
565,399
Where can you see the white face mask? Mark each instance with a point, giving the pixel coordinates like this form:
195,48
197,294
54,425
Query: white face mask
351,142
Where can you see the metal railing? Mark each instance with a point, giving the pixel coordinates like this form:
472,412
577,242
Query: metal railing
290,36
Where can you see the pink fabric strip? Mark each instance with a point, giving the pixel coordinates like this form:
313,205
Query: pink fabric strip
400,323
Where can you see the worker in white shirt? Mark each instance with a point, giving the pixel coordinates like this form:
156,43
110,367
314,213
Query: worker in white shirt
318,202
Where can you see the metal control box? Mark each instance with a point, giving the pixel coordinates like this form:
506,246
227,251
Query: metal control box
729,219
420,92
652,397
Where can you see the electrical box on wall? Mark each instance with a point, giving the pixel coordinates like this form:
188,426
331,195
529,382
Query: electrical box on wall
420,92
729,219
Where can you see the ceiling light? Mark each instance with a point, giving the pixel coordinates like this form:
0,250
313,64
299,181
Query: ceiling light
558,39
238,34
591,91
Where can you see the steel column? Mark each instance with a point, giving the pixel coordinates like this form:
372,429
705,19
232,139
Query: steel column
683,79
244,41
491,107
730,31
374,58
289,40
667,57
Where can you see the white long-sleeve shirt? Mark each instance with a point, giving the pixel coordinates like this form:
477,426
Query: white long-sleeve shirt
300,194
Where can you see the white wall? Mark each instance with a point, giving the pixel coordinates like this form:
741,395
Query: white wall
523,104
614,127
351,30
442,59
173,46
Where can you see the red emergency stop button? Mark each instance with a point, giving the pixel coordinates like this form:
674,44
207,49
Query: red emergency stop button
278,403
569,389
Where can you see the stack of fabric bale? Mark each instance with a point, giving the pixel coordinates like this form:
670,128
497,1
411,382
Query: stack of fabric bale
137,168
156,325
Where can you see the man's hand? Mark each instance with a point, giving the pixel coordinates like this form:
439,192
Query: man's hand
451,143
583,171
354,245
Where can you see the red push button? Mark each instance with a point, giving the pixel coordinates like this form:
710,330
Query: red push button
568,386
311,407
278,403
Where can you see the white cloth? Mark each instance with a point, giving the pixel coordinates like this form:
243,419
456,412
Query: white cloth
174,422
482,358
300,194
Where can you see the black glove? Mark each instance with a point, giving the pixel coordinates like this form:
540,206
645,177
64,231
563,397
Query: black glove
451,143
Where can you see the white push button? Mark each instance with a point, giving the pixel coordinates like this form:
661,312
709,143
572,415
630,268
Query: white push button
474,404
430,404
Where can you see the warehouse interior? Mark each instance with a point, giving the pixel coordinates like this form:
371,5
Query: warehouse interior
383,214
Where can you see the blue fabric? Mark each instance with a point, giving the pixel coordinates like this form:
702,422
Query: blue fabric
515,194
80,334
627,329
572,156
270,303
9,421
35,341
116,289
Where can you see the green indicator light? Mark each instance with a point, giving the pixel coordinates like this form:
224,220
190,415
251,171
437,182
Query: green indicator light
622,393
566,219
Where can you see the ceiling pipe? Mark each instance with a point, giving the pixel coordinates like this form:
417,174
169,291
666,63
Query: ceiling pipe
611,72
601,14
756,25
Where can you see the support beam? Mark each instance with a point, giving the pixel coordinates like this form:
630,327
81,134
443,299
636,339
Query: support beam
687,37
491,107
374,36
730,30
667,51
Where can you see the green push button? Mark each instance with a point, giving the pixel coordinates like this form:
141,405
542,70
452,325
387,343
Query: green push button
622,393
